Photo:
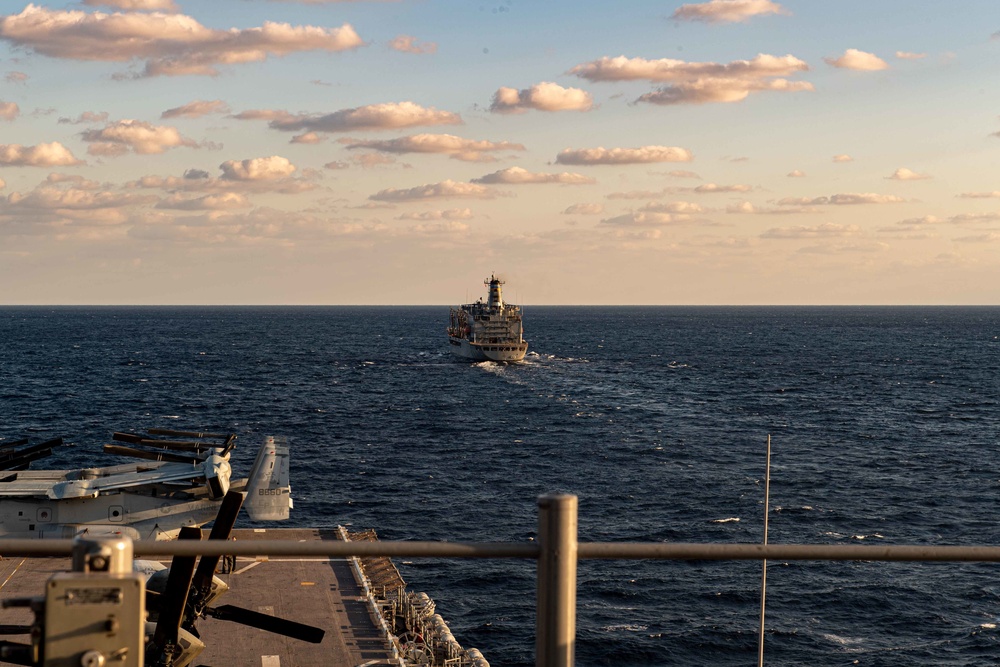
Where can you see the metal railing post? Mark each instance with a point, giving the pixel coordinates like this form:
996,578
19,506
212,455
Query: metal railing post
555,625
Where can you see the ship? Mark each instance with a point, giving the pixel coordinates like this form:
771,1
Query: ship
488,331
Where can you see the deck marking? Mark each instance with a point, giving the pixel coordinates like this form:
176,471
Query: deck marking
246,567
16,568
270,661
307,583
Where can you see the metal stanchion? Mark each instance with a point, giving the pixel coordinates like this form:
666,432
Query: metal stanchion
555,625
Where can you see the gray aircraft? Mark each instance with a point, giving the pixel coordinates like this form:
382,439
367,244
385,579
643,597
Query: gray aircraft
178,483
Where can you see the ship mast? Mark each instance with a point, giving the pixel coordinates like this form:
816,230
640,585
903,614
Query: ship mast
496,298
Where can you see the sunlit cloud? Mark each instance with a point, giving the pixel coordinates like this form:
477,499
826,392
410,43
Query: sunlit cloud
858,60
844,199
796,173
458,148
48,204
257,169
683,207
196,109
132,5
843,157
584,209
713,188
408,44
904,174
52,154
520,176
726,11
680,173
9,111
907,55
390,116
645,219
78,181
15,77
748,208
444,190
708,90
989,237
371,160
825,230
215,202
307,138
642,155
169,44
995,194
86,118
545,96
136,136
449,214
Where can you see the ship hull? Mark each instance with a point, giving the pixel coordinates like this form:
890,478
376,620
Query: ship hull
499,352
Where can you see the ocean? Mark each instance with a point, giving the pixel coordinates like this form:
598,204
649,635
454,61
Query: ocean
883,422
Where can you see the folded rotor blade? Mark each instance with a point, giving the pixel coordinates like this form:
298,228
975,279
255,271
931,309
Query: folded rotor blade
275,624
174,599
152,456
16,654
186,445
186,434
13,443
15,629
221,529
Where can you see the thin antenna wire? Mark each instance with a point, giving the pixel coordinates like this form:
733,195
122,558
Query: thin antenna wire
763,579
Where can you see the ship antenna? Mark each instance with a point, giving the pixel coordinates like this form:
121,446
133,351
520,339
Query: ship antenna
763,579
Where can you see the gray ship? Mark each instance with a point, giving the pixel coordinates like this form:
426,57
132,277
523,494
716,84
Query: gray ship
490,331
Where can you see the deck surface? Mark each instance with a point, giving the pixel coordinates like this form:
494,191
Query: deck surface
316,591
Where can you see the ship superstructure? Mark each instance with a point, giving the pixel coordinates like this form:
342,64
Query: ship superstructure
488,331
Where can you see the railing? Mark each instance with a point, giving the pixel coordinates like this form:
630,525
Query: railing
557,551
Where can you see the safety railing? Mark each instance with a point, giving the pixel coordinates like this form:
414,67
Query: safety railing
556,550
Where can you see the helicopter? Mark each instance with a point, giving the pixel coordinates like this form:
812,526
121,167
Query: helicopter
177,483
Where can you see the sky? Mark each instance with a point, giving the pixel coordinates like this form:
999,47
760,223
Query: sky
316,152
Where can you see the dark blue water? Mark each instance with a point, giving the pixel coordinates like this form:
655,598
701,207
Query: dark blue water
884,426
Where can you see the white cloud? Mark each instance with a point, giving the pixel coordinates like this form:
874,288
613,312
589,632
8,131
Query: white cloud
825,230
408,44
443,190
844,199
196,109
584,209
306,138
9,110
449,214
132,5
678,207
749,208
214,202
858,60
642,155
135,135
907,55
796,173
170,44
519,176
85,118
712,188
726,11
709,90
545,96
52,154
843,157
389,116
458,148
904,174
257,169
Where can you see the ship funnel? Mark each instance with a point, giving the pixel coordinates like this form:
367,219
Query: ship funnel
496,298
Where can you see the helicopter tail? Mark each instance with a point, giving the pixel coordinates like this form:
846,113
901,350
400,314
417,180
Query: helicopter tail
269,495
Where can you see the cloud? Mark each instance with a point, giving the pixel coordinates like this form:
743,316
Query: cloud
85,118
642,155
825,230
48,204
995,194
584,209
843,157
700,82
906,55
257,169
989,237
9,111
390,116
726,11
132,5
444,190
712,188
447,144
845,199
369,160
796,173
746,207
407,44
858,60
645,219
16,77
53,154
450,214
680,173
169,44
682,207
545,96
904,174
136,136
215,202
196,109
262,114
520,176
306,138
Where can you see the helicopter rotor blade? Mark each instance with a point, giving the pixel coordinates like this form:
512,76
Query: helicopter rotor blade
175,596
221,529
15,629
152,456
16,653
186,434
275,624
